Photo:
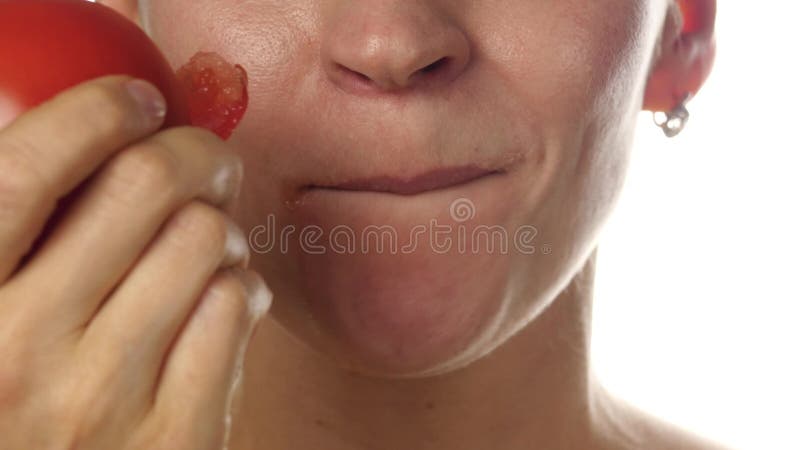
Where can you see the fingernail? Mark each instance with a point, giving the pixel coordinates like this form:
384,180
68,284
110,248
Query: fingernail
237,248
149,98
259,296
227,181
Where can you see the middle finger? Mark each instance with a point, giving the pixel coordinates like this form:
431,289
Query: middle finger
103,233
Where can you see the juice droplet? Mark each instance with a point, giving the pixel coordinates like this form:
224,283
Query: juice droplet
292,196
292,204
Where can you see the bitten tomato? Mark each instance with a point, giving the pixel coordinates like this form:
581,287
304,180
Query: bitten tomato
217,92
47,46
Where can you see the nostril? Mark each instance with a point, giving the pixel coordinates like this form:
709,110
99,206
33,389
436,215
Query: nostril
436,65
355,76
361,76
432,73
363,81
350,71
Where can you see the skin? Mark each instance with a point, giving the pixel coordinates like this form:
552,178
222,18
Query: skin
327,102
459,351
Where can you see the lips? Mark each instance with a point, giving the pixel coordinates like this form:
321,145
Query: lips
436,179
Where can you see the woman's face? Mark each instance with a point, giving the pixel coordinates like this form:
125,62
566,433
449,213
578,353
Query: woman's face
414,125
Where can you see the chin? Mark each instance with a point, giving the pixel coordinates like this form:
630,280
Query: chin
399,302
413,307
405,315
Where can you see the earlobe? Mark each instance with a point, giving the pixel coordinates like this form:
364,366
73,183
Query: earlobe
128,8
685,55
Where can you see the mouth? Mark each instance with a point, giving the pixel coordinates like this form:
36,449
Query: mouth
433,180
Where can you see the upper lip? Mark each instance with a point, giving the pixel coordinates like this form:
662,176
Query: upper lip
430,180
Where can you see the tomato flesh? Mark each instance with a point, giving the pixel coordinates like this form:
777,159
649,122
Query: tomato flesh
216,91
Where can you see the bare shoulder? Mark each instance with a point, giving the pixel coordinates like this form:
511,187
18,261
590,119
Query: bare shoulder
628,427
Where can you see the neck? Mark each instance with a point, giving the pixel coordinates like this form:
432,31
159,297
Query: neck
535,391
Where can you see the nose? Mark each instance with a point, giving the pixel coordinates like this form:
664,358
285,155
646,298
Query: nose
389,45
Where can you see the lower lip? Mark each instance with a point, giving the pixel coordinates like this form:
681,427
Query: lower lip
430,181
440,184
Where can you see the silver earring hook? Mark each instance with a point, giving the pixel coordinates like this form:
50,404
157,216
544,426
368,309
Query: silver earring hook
673,122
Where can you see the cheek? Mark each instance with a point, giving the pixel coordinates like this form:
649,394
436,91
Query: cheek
163,20
578,70
568,59
275,40
262,36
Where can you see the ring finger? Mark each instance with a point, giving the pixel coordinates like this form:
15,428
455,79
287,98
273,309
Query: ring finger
147,309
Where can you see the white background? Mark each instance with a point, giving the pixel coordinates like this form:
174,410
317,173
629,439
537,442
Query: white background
697,305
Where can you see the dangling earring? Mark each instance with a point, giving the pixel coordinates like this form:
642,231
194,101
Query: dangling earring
672,122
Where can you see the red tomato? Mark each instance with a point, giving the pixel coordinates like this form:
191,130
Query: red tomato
47,46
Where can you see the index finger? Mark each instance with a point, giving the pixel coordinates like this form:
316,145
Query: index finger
46,152
65,138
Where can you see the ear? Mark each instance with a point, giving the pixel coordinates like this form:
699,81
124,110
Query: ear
128,8
684,56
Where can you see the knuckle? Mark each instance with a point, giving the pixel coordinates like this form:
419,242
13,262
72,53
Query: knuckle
82,407
200,140
188,437
146,172
200,227
172,427
12,385
16,350
22,185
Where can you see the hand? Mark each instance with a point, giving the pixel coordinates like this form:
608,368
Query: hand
125,326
